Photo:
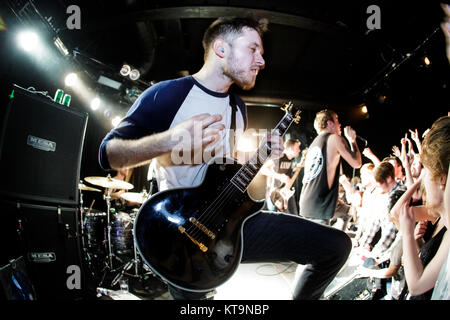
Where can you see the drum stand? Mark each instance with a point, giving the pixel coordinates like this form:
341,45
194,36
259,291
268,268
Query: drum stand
129,265
107,197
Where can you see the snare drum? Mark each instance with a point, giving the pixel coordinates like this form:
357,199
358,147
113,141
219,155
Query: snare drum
122,233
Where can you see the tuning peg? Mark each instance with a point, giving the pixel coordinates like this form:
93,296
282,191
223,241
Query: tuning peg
297,117
287,106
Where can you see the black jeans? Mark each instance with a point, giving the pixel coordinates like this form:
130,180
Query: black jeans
279,237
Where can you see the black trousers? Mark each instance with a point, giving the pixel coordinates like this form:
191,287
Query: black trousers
279,237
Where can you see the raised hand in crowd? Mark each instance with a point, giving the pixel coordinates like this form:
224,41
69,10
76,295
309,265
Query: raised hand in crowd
367,152
415,137
396,152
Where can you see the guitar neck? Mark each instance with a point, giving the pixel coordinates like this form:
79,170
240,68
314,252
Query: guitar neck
249,170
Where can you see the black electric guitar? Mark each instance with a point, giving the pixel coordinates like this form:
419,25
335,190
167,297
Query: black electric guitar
192,237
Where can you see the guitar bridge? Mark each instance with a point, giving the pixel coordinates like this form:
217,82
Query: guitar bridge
202,227
200,245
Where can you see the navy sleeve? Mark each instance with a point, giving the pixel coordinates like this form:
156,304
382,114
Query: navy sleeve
241,104
151,113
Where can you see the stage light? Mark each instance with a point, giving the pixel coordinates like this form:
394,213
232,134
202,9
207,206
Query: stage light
134,74
109,82
427,61
61,47
246,144
71,79
116,121
125,71
382,98
28,40
364,109
95,103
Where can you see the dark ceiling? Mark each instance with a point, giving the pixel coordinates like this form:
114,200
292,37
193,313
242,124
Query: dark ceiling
318,53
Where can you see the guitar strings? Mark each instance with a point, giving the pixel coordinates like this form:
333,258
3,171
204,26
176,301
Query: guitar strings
211,212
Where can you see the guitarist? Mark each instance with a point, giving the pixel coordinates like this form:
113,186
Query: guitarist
279,173
174,119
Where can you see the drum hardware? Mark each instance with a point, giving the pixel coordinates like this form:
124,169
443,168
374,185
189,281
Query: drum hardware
135,197
109,183
84,187
119,231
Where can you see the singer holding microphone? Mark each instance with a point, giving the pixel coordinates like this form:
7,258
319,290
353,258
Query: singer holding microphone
319,194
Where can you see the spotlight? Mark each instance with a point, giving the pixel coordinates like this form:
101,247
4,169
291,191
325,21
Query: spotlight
134,74
427,61
246,144
364,109
71,80
382,98
61,47
116,121
109,82
125,71
95,103
28,40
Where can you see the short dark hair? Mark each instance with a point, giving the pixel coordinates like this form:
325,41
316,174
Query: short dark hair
397,161
383,171
232,26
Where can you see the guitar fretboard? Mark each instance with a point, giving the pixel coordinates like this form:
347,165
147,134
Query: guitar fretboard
248,171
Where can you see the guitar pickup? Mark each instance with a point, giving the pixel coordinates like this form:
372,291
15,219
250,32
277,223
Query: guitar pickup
200,245
202,227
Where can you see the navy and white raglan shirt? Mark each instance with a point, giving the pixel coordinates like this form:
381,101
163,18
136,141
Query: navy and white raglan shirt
162,107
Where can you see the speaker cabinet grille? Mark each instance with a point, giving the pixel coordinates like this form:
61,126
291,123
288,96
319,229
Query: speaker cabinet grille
49,239
41,146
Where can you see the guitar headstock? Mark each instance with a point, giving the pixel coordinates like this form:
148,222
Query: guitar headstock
293,110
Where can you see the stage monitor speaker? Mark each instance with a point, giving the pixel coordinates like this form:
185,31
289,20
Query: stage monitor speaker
41,145
354,289
49,238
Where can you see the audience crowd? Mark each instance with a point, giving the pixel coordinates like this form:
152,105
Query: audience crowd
398,215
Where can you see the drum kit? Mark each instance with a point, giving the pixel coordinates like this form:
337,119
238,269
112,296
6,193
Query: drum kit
107,237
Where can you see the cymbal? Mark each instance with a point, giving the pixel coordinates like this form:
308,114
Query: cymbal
135,197
84,187
109,183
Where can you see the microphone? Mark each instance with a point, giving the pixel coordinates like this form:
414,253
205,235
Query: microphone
362,140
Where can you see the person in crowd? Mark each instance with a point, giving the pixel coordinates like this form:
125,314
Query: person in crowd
233,50
435,158
366,212
342,213
319,194
441,290
429,236
393,273
385,180
399,171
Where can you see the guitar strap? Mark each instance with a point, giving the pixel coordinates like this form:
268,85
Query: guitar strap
232,132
